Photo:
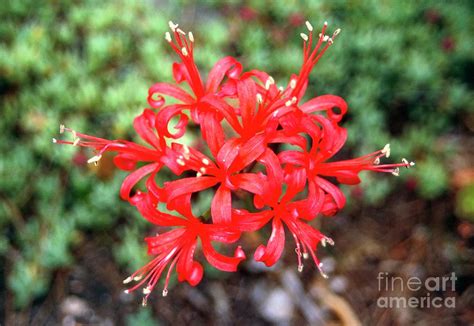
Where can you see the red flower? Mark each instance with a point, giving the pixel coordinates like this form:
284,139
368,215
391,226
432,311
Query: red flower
241,117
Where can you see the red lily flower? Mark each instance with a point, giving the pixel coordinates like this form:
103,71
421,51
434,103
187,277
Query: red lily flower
242,117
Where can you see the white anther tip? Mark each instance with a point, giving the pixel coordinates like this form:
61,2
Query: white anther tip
127,280
386,150
94,159
325,23
55,140
309,26
184,51
168,37
146,290
304,36
300,268
396,172
191,36
61,128
165,292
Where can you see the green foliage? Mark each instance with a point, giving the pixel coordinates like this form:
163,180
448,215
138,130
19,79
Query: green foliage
405,68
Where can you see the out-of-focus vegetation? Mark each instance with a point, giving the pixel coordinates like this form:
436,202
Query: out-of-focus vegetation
405,67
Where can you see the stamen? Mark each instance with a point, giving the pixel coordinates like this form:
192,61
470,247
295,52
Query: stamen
61,128
293,83
281,88
55,140
186,149
294,99
288,103
405,161
326,240
325,38
147,290
180,162
205,161
309,26
377,161
184,51
202,170
270,81
126,291
179,30
168,37
412,163
325,23
320,267
305,255
144,302
172,25
386,150
198,175
396,172
127,280
76,141
336,32
259,98
137,278
304,37
165,292
300,268
94,159
191,36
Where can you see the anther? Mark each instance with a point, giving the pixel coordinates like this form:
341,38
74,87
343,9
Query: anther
396,172
304,36
320,267
205,161
293,84
61,128
179,30
281,88
325,38
309,26
76,141
336,32
137,278
294,99
325,23
202,170
191,36
165,292
305,255
405,161
300,268
386,150
168,37
259,98
94,159
55,140
198,175
147,290
144,302
377,161
127,280
412,163
180,162
184,51
126,291
288,103
172,25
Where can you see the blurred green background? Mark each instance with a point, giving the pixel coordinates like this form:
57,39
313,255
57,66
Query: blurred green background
405,67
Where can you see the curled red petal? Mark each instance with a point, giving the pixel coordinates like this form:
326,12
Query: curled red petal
184,186
227,66
272,252
133,178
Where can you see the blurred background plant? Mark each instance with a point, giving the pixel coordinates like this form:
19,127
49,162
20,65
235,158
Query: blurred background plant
405,67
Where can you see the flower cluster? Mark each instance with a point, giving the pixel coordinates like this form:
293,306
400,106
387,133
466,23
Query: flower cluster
244,119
